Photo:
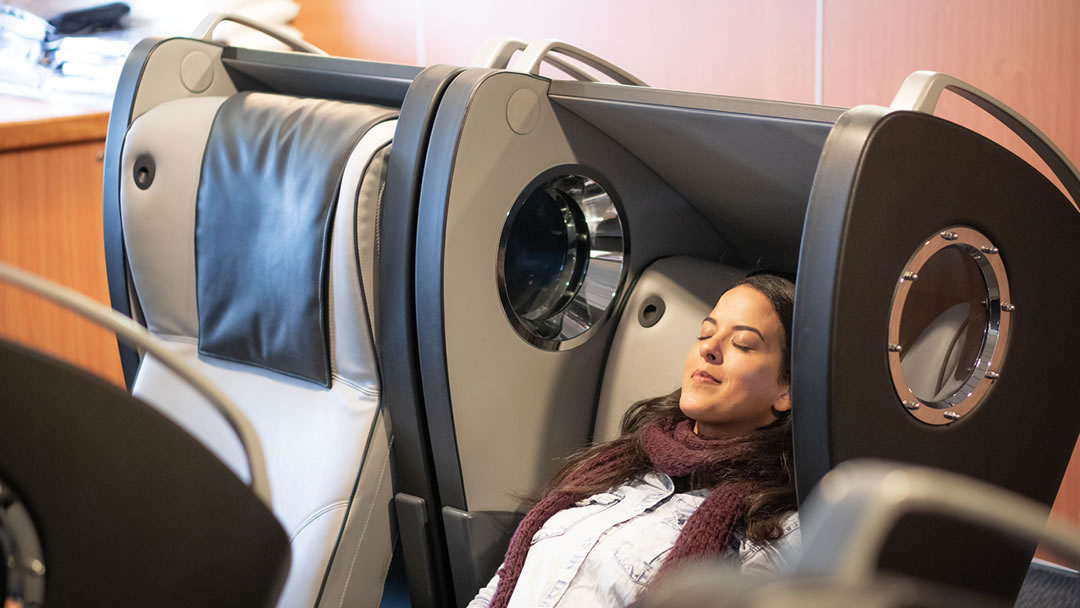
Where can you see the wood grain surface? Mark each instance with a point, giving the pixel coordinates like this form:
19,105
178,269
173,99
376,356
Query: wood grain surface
1025,54
50,224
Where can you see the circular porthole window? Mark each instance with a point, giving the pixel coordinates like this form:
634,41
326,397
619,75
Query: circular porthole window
22,568
560,264
948,325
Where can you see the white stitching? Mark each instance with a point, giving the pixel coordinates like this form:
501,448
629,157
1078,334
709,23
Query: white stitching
316,515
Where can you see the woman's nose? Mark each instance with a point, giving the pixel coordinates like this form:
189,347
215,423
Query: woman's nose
710,351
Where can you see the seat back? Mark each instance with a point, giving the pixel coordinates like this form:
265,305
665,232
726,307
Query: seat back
129,510
248,222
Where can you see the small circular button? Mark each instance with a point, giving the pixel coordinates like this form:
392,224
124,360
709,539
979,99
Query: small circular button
197,72
523,111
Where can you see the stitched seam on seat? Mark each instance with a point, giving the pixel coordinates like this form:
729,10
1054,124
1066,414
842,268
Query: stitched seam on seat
316,515
367,520
366,390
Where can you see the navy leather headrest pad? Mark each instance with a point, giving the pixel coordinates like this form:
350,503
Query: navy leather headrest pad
270,177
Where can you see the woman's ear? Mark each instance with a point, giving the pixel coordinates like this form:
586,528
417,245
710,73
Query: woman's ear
783,401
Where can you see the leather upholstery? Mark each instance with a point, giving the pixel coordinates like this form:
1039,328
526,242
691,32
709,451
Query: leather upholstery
264,214
318,441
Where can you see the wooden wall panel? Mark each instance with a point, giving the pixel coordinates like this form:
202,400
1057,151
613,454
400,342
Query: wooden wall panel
730,47
378,31
1024,53
50,224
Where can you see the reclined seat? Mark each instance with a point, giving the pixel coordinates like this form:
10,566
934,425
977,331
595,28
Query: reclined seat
517,331
240,229
94,509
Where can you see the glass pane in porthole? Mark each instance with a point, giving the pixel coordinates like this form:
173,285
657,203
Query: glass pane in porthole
560,260
546,251
943,325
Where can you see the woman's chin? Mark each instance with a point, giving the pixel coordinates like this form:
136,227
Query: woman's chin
691,405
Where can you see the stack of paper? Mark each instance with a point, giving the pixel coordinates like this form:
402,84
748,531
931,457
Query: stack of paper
35,61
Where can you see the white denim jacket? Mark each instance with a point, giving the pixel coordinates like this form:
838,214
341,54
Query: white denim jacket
606,548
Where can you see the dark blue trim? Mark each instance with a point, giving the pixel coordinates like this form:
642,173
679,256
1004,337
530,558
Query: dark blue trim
115,254
319,76
396,335
430,242
815,297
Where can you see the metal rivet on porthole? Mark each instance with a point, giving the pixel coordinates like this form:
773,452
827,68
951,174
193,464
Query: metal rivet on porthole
951,415
990,250
949,235
992,375
911,405
910,276
1006,307
895,348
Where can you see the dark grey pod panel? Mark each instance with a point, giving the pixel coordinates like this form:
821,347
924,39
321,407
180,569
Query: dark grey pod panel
1002,403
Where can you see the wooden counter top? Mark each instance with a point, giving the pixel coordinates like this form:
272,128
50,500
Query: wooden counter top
32,123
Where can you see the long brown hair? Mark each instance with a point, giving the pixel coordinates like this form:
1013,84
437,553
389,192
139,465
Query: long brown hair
765,460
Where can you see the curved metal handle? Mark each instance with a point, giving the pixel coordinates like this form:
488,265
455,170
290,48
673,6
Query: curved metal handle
921,91
849,516
537,52
205,31
134,333
496,54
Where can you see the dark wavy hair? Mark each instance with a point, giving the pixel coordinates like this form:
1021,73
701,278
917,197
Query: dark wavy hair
768,467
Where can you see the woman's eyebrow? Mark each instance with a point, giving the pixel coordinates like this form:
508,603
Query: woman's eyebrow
748,328
737,327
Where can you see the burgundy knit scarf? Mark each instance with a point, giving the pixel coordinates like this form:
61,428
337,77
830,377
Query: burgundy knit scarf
673,449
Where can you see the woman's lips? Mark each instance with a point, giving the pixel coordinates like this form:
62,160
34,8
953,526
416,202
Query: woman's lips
703,376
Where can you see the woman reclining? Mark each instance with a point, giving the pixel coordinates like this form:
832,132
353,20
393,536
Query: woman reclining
703,472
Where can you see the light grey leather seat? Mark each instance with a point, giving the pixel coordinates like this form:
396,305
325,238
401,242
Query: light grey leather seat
249,223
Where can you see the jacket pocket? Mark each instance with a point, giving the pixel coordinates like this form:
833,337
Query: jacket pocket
642,553
641,557
582,510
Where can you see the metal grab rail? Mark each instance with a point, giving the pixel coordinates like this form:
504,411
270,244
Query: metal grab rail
921,91
496,54
539,51
137,335
848,518
206,27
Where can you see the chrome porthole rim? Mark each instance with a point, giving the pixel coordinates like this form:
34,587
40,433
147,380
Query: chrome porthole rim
578,297
24,570
996,332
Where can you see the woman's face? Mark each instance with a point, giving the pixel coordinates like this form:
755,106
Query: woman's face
732,378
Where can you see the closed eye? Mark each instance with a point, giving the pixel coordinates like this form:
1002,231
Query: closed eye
742,347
